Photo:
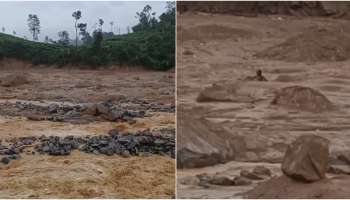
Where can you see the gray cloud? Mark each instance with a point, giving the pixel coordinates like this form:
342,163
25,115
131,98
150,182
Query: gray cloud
57,16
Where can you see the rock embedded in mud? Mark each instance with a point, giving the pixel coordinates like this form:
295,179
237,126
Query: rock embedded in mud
262,171
27,140
306,159
188,52
58,146
345,157
339,169
103,108
302,98
11,150
204,180
221,180
190,180
250,175
240,181
89,109
5,160
52,108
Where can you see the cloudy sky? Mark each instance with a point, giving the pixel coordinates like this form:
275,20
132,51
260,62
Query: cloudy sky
57,16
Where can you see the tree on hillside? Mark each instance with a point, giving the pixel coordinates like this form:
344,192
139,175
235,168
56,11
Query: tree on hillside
98,37
170,6
169,14
111,23
63,38
52,41
77,16
14,32
100,23
94,27
34,25
128,29
47,39
86,38
107,35
167,19
146,19
3,29
82,28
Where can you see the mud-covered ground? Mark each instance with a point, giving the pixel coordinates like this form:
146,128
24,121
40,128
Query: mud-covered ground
244,126
59,102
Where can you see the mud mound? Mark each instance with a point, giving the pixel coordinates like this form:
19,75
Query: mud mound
302,98
313,45
212,32
283,188
202,143
14,80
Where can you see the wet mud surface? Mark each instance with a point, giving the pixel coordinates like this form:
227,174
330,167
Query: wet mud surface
235,119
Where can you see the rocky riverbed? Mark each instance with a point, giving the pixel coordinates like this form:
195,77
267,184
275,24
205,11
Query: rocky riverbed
86,133
124,111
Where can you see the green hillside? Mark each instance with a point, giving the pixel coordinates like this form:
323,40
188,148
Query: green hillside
152,45
152,49
35,52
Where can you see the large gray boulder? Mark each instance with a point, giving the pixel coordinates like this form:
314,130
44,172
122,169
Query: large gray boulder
306,159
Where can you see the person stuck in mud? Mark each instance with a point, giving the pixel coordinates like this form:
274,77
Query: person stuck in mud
257,77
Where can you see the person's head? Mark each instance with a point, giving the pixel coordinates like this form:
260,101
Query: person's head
258,72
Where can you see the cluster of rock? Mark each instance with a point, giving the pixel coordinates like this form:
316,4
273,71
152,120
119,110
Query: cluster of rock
141,104
244,178
124,144
83,112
